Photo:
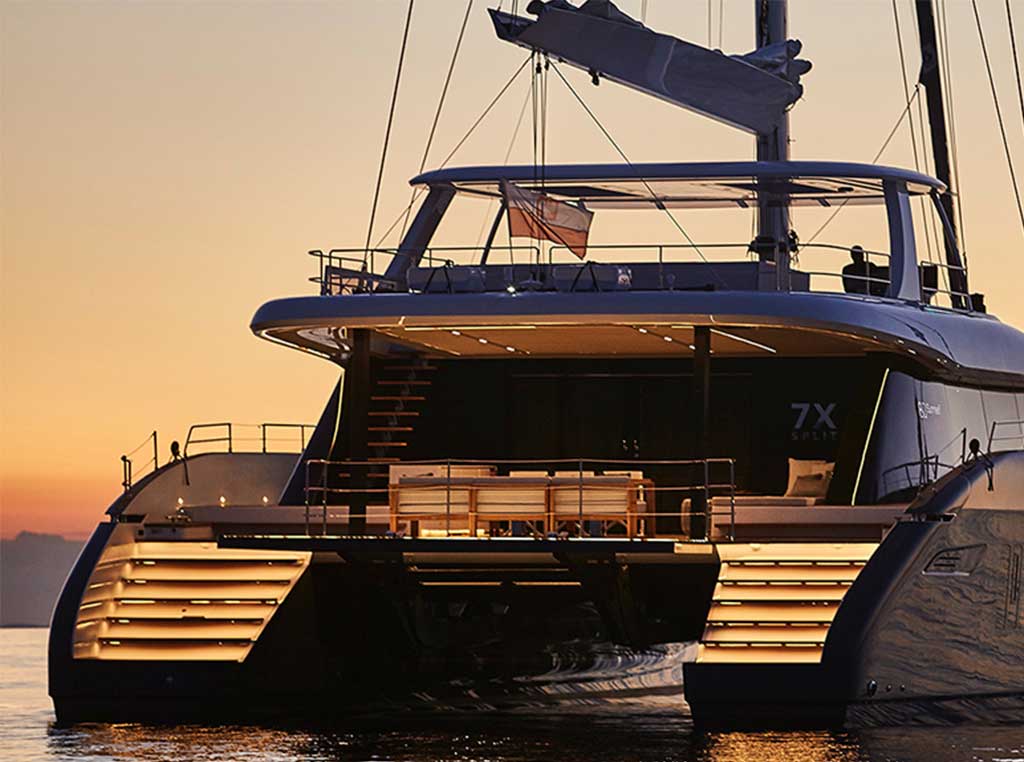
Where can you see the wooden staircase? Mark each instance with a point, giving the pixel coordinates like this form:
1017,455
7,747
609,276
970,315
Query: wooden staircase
774,602
397,400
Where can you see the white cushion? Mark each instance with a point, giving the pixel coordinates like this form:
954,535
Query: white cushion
799,468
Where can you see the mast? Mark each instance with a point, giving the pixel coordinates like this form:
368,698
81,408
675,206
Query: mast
771,21
931,78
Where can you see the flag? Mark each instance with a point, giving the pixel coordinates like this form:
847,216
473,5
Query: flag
536,215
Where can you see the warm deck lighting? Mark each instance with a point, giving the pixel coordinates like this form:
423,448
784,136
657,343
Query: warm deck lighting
223,501
265,500
744,340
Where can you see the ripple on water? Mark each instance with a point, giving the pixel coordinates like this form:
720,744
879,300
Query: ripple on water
635,730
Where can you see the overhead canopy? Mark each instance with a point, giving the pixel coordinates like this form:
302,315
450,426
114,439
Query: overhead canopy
691,185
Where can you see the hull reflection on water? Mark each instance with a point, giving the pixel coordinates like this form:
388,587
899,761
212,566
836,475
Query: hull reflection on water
585,674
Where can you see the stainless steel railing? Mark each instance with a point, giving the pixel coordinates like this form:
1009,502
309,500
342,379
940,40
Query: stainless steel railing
343,271
997,425
228,435
223,436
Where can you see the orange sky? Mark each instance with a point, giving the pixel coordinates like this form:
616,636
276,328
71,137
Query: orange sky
166,165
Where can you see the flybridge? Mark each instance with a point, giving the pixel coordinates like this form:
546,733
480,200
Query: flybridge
763,264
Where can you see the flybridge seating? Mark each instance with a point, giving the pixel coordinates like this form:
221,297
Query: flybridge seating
419,266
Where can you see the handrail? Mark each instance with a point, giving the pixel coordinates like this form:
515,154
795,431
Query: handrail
353,270
229,437
130,472
128,467
993,438
318,487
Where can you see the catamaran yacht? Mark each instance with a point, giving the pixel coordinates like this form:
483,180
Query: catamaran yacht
786,478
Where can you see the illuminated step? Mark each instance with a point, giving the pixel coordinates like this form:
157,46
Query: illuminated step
173,569
795,552
766,633
718,653
190,628
845,571
181,601
782,592
203,588
772,611
175,650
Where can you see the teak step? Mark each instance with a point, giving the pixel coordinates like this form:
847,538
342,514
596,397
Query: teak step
402,382
414,368
393,398
389,428
387,444
379,413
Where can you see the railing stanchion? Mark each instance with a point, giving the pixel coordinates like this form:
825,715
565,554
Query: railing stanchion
156,454
126,473
707,503
263,437
448,499
323,478
732,500
231,442
581,531
306,491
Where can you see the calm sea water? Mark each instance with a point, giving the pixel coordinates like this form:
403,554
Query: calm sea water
634,731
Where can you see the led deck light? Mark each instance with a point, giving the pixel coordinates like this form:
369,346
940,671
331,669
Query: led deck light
744,340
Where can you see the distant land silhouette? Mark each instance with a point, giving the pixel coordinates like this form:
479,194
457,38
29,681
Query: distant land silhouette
32,571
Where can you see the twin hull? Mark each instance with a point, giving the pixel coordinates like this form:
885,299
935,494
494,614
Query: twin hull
927,627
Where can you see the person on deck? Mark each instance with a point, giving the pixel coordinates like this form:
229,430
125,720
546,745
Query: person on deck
859,275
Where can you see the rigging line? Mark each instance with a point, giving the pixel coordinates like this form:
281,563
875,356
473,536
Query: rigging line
709,23
721,21
913,135
643,180
511,144
999,112
1016,60
443,164
440,105
892,134
387,132
954,143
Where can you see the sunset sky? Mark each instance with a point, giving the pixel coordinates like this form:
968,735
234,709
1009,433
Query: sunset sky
166,165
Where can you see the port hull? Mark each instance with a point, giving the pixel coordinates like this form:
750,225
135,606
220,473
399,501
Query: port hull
366,629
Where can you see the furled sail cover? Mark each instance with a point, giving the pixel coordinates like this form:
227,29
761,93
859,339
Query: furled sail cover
751,92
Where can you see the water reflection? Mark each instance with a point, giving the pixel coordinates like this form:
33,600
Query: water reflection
638,730
576,737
